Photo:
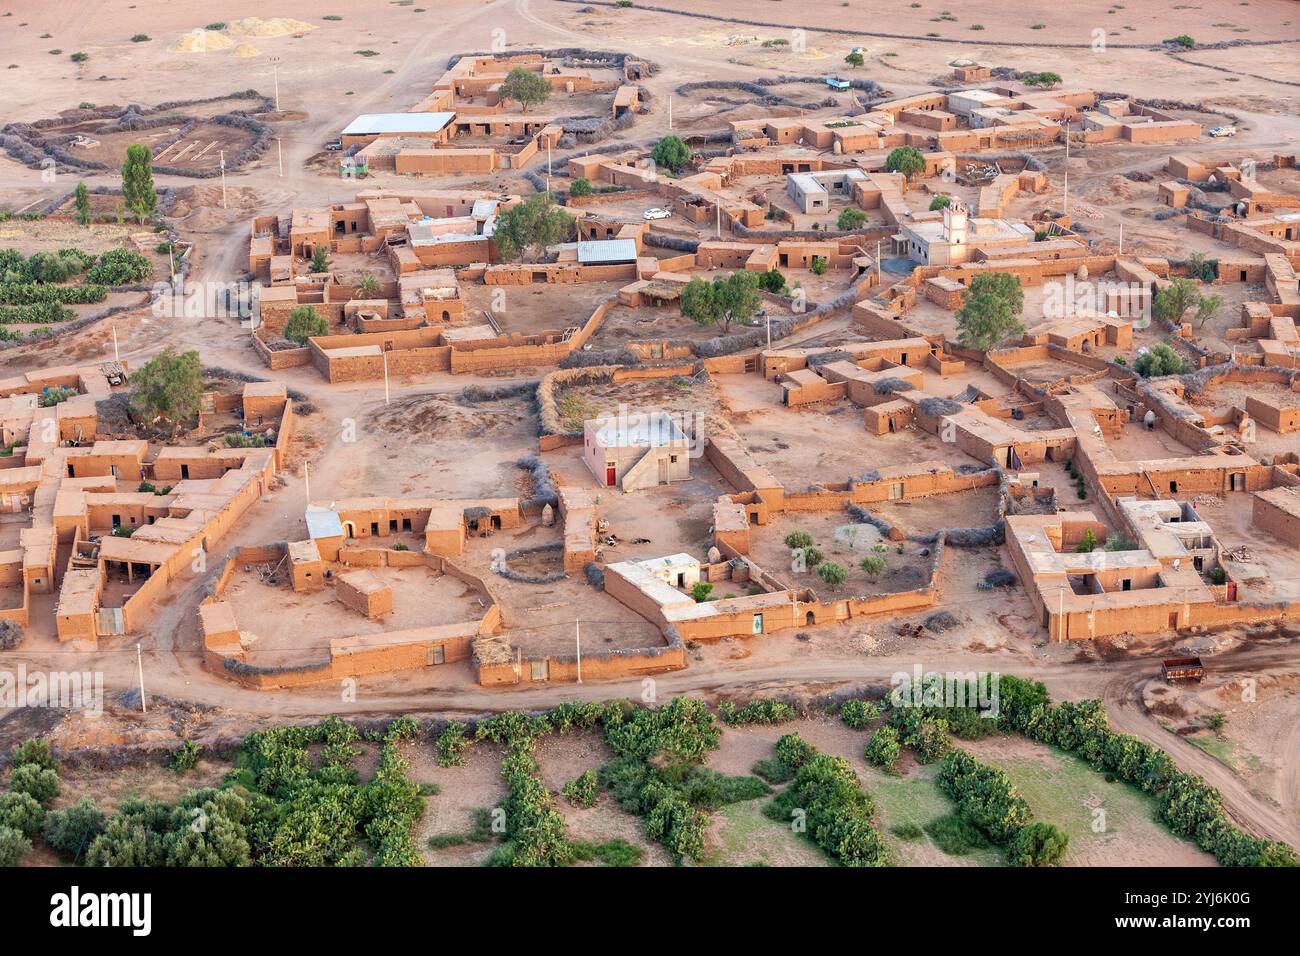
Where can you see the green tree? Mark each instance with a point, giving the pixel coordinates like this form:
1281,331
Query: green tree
1159,360
1206,309
320,259
833,574
819,265
851,217
798,539
525,87
369,286
672,153
854,59
169,386
906,160
985,320
580,187
941,201
1046,80
1173,301
722,301
137,182
304,322
82,200
873,564
531,226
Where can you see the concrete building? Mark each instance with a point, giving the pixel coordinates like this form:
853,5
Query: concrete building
814,192
636,451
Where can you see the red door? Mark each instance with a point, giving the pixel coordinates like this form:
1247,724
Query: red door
609,475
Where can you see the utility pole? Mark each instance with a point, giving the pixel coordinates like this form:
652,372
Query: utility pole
275,71
116,358
718,204
279,150
1121,238
880,275
306,482
223,178
139,666
577,637
769,331
670,112
385,378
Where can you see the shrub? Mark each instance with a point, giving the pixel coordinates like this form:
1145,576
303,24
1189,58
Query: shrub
582,790
701,590
819,265
34,751
69,832
1088,544
760,710
859,714
837,811
1038,844
798,539
873,564
580,187
140,38
21,812
772,281
1159,360
954,835
884,748
13,846
940,202
186,758
40,783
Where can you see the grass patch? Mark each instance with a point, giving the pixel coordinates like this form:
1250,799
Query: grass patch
954,836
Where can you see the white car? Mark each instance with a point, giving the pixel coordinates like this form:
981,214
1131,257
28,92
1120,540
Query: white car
656,213
1223,131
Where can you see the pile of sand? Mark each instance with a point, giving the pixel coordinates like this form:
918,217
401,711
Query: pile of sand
269,27
201,41
247,49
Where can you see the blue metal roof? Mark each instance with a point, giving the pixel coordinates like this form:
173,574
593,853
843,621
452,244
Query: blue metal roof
323,523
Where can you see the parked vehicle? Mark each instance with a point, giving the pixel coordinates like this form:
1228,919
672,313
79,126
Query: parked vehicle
837,83
651,214
1223,131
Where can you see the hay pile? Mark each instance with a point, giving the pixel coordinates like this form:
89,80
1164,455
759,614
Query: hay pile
247,49
493,649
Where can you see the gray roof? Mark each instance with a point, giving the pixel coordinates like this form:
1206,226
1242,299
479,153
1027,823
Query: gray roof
606,251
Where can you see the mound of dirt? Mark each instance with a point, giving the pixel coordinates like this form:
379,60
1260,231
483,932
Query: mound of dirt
201,41
268,27
247,49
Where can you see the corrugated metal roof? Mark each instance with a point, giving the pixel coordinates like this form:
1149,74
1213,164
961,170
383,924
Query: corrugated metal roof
375,123
322,523
603,251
